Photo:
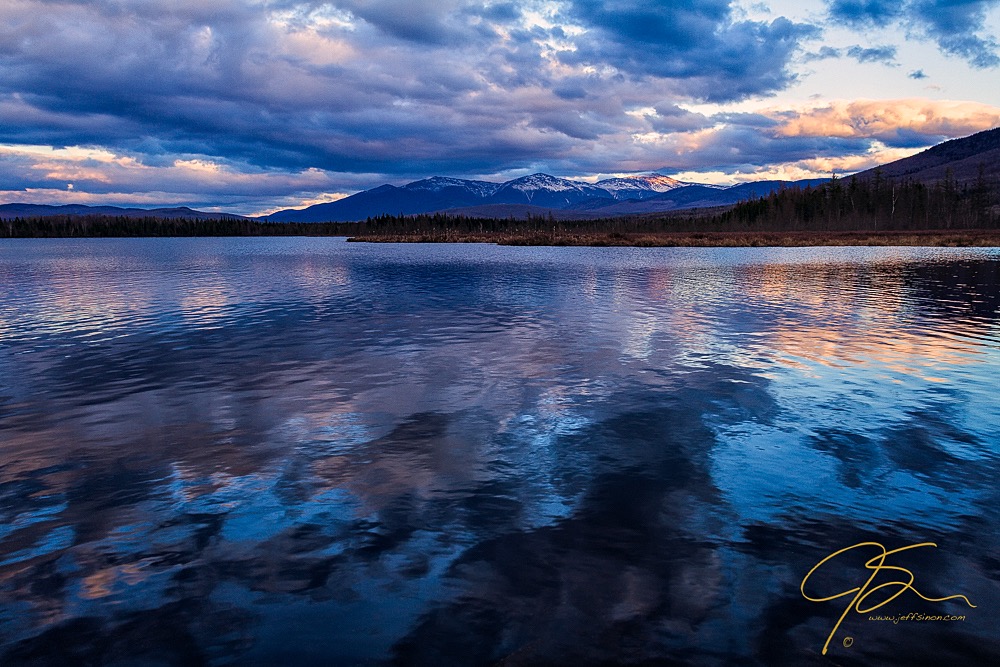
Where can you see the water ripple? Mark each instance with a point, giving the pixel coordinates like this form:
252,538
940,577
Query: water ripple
296,451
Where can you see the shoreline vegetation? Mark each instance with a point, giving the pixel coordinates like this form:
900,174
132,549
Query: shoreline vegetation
935,238
870,212
615,233
538,232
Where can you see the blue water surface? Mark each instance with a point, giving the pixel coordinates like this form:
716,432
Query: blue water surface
306,451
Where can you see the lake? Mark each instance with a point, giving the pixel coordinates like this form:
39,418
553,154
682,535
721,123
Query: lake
306,451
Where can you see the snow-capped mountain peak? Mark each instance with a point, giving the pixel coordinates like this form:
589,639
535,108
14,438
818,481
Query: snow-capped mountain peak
438,183
639,187
635,194
541,182
546,190
549,184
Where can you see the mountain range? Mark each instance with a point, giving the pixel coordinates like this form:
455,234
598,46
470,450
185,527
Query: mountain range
966,161
534,195
537,194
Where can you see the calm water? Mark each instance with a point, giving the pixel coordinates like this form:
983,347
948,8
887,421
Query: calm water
305,451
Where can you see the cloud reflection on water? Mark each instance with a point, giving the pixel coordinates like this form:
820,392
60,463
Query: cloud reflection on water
304,450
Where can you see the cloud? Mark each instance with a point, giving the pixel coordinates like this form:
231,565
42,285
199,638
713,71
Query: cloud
368,85
861,13
957,26
902,123
736,148
815,139
877,54
823,53
795,170
243,103
917,74
289,88
42,174
697,43
397,89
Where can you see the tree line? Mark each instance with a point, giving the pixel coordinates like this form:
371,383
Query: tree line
872,204
98,226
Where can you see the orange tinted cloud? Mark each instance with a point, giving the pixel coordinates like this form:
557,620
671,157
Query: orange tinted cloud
874,118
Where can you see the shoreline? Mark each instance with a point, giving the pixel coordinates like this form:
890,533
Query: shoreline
932,238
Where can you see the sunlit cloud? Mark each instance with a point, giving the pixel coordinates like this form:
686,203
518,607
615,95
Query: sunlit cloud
890,118
80,175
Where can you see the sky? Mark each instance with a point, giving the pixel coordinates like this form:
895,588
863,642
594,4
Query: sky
251,106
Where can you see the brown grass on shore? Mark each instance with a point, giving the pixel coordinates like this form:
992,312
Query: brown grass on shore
939,238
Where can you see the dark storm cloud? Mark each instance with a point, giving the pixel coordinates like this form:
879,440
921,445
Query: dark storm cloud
956,25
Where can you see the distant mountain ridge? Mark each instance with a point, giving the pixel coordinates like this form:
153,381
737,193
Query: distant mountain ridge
9,211
538,194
